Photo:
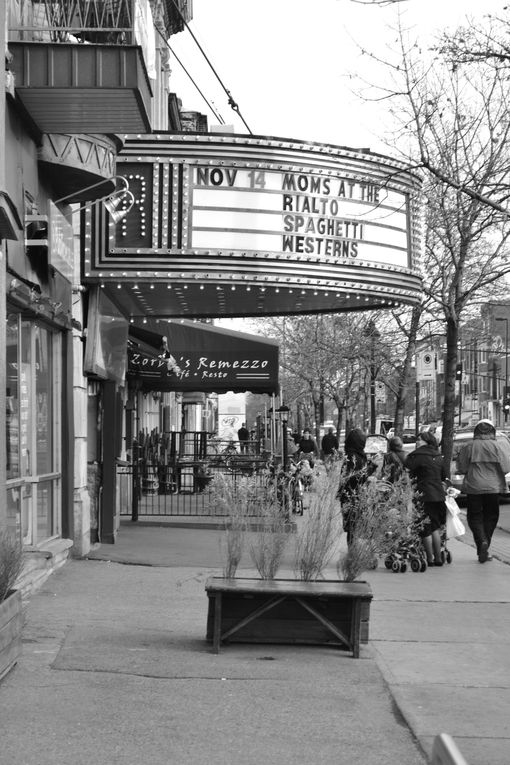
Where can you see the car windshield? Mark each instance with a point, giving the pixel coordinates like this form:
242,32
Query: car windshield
376,444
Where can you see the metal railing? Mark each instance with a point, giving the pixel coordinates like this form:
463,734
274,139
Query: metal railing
184,488
110,22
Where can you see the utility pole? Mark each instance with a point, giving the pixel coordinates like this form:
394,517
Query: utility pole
373,333
506,392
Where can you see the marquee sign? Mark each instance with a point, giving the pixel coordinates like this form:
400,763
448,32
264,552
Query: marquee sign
258,226
289,213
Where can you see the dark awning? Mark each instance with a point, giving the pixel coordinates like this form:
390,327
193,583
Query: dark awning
191,356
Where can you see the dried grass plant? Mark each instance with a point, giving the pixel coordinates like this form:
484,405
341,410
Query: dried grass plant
232,497
383,515
11,562
321,528
270,539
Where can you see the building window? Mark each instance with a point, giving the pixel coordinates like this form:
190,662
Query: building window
33,425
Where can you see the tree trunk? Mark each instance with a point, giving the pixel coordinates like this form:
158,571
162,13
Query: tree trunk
452,339
317,417
403,380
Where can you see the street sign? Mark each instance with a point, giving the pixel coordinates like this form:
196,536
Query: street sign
425,365
380,392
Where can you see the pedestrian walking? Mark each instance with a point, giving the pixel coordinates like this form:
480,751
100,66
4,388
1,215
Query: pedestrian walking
355,472
484,462
243,434
426,467
308,448
394,460
329,444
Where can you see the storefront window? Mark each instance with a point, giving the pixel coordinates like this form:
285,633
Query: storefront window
43,414
44,508
12,398
14,512
32,429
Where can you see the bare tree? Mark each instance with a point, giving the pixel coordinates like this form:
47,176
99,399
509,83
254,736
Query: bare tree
486,42
339,357
454,119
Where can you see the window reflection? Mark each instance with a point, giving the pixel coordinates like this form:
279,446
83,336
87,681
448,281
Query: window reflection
12,399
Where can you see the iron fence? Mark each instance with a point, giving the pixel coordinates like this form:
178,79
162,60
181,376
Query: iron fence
185,488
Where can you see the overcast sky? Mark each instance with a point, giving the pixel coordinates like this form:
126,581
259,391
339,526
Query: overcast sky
290,64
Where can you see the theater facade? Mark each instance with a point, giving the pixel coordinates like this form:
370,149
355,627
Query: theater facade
229,226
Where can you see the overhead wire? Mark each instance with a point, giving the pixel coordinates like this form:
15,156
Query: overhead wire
231,101
218,116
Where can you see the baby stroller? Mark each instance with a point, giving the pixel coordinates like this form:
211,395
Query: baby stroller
406,552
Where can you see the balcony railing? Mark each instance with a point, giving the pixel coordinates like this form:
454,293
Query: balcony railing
108,22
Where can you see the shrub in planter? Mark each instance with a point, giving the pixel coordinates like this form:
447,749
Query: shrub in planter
295,611
11,564
380,515
239,499
268,542
321,528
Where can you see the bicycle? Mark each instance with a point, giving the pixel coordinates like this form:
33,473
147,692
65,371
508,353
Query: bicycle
296,490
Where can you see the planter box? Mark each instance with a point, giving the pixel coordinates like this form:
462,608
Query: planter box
288,611
11,623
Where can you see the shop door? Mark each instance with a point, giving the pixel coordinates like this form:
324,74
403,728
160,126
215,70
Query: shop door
33,429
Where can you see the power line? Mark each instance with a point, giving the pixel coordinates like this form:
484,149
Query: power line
218,116
230,98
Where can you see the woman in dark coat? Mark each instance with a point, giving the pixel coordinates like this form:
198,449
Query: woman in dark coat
394,460
426,467
354,474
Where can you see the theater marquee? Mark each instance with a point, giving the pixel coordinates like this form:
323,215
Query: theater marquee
236,226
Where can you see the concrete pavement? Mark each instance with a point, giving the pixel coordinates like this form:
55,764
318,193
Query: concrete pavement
115,667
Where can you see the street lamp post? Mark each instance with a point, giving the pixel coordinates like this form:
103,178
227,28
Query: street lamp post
282,413
373,333
505,392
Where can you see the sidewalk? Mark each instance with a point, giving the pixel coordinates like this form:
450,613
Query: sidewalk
115,668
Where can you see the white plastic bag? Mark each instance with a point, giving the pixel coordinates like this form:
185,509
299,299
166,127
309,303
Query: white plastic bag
454,526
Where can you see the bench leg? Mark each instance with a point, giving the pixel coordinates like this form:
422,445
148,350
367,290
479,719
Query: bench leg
217,623
355,627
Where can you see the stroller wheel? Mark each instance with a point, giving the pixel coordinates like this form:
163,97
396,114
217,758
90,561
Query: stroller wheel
423,566
415,565
448,556
403,567
395,566
388,562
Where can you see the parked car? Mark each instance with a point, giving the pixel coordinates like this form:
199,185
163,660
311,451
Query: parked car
460,439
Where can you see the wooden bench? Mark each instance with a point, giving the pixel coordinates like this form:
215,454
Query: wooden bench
288,611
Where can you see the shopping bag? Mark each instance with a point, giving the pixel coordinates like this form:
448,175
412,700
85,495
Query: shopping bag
451,505
454,526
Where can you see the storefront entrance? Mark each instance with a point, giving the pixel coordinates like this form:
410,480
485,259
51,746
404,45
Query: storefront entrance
33,423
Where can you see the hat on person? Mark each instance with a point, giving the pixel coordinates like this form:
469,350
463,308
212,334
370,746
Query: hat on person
428,438
484,428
